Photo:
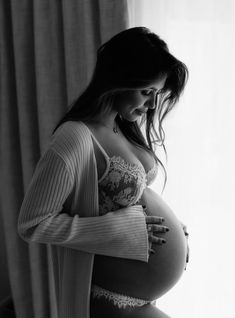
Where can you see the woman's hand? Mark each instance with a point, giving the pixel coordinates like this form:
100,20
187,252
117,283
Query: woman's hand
184,227
154,226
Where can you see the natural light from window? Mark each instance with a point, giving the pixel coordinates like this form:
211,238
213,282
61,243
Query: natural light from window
200,144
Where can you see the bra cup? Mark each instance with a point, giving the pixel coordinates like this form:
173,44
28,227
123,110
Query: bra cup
122,184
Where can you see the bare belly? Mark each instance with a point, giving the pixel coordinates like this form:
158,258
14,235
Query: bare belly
147,280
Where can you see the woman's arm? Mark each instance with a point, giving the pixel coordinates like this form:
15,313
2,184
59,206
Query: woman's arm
42,217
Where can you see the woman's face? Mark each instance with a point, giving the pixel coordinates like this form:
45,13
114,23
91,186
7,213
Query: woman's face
131,105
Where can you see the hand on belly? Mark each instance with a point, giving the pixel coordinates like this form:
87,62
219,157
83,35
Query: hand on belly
167,264
164,268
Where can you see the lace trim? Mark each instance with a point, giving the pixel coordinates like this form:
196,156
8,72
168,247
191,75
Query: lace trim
119,300
133,168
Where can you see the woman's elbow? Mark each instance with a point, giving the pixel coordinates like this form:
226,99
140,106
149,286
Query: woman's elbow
23,233
26,232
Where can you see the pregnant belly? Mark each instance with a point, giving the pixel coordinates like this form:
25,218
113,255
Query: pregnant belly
164,268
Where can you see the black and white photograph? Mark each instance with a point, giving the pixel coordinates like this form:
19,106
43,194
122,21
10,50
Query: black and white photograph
117,158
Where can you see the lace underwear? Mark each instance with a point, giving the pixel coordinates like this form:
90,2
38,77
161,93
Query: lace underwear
119,300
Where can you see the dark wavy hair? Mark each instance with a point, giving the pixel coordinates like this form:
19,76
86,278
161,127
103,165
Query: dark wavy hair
132,59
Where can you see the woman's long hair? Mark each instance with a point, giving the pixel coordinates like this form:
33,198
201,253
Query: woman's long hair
132,59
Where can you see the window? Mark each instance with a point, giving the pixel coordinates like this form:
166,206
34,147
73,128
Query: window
201,149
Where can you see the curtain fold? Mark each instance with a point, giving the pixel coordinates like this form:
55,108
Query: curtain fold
48,51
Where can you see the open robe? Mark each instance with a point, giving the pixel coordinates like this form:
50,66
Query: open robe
61,209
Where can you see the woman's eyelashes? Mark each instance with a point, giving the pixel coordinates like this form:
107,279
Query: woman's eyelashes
148,92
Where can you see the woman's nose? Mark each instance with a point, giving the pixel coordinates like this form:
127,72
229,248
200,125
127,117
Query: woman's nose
151,102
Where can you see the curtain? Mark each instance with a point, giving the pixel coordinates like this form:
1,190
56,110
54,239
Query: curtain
48,51
201,154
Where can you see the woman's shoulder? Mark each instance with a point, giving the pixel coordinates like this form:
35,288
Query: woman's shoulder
71,137
76,128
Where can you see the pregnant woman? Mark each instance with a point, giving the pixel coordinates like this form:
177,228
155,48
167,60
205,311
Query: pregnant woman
120,287
116,246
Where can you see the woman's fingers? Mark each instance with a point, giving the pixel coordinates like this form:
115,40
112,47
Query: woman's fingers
157,228
151,251
156,240
154,225
185,229
154,219
187,258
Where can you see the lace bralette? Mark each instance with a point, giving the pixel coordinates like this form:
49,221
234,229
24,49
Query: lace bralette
122,184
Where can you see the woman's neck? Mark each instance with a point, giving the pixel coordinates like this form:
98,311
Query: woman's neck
107,121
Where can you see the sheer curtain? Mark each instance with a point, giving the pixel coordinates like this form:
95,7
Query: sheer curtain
200,142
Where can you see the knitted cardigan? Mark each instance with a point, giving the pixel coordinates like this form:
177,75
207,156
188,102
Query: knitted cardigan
61,209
